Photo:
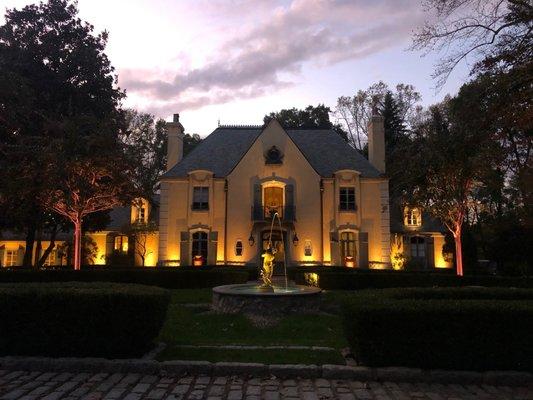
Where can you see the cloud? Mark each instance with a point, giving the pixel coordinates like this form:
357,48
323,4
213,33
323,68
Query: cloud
271,49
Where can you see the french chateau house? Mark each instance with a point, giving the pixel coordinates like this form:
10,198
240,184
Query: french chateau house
306,192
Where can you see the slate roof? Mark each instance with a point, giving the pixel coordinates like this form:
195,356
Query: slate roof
222,150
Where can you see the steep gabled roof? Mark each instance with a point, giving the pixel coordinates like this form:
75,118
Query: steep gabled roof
222,150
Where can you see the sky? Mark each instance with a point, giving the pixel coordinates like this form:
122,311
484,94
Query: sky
234,61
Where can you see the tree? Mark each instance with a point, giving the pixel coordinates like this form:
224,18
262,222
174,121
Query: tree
449,159
310,117
139,232
82,187
355,111
53,70
190,141
497,34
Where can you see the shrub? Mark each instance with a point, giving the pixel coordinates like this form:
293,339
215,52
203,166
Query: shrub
170,278
451,328
80,319
353,279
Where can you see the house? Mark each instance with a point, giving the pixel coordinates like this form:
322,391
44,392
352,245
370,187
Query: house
221,203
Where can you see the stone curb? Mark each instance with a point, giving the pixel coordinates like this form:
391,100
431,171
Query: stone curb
283,371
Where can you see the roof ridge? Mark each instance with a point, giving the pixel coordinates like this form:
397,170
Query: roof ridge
239,126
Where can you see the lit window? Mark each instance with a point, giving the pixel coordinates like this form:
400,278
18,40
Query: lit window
418,247
121,243
141,213
199,245
413,217
11,258
200,198
347,199
308,248
347,244
238,248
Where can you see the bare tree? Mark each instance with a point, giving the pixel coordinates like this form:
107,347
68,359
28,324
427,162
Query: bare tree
491,32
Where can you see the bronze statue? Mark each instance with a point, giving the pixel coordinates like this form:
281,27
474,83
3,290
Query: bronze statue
268,266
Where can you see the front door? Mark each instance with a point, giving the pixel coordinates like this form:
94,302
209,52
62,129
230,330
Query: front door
277,244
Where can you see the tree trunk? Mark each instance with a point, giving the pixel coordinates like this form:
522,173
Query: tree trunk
28,251
77,245
49,249
458,252
38,248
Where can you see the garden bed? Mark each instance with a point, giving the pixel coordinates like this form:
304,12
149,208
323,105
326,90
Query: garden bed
449,328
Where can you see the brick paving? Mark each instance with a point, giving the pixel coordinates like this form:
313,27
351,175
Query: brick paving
22,385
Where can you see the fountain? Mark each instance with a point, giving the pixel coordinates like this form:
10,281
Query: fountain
267,299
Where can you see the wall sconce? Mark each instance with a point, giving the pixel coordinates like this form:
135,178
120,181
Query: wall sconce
251,240
295,239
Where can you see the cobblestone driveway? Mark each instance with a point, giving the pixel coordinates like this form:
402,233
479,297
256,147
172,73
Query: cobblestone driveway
20,385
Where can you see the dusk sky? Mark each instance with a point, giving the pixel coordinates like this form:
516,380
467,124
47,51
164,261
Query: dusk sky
235,61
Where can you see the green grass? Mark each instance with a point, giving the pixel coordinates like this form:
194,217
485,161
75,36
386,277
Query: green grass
265,356
187,325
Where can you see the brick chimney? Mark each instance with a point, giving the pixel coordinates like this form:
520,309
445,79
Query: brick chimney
175,141
376,141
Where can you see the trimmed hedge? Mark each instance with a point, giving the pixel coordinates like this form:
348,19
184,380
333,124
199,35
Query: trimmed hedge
170,278
449,328
80,319
351,279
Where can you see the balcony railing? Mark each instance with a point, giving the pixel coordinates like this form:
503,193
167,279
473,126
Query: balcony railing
266,213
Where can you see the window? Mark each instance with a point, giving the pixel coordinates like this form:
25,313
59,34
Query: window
238,248
347,199
413,217
200,198
199,245
11,258
141,214
347,244
51,259
121,243
308,248
418,247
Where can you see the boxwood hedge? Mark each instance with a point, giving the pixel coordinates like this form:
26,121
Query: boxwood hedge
80,319
338,278
170,278
449,328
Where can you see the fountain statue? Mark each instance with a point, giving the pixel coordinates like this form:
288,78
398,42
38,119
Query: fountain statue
268,267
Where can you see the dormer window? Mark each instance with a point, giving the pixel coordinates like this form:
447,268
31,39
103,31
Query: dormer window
141,214
200,198
347,199
273,156
413,217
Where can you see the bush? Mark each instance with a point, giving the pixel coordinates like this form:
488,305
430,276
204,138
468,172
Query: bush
80,319
170,278
353,279
451,328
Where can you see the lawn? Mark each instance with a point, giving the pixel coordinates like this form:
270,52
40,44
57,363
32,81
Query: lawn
190,323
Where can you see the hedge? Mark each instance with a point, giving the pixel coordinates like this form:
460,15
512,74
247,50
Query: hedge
170,278
350,279
80,319
448,328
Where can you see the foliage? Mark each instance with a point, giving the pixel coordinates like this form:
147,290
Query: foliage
461,327
139,233
77,319
54,74
355,111
339,278
190,142
171,278
398,260
310,117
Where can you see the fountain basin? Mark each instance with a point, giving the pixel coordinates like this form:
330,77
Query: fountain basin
250,298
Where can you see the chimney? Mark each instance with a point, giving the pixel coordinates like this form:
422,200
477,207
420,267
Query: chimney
175,141
376,141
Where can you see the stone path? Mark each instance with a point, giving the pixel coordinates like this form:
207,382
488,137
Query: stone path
21,385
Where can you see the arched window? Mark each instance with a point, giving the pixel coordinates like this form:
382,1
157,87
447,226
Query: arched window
199,244
238,248
121,243
418,247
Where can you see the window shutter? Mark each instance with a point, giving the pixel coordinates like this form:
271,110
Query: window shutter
20,255
2,248
430,252
335,248
289,203
257,211
363,249
212,248
184,249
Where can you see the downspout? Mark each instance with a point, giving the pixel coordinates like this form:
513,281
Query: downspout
322,219
225,221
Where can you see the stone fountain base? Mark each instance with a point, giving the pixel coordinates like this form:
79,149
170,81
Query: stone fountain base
252,300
